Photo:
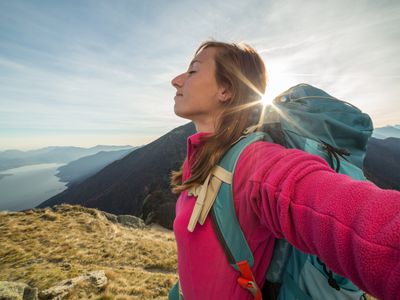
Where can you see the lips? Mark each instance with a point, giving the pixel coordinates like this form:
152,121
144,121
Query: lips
178,94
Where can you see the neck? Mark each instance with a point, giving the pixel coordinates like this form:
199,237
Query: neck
204,126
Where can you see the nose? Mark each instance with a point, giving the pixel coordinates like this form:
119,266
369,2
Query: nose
177,82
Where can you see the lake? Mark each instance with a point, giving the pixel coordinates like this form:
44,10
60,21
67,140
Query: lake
28,186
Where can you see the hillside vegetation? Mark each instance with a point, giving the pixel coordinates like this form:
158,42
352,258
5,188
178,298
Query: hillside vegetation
42,247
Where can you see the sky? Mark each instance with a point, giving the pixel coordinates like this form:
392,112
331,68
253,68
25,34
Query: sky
83,73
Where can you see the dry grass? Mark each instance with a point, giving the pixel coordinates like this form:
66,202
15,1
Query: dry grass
43,247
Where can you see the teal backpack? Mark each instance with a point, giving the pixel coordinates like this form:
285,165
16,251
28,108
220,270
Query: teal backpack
306,118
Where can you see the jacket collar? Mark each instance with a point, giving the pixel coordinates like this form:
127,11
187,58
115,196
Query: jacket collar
194,143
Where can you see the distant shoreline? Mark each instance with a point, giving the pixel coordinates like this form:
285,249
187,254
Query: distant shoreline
4,175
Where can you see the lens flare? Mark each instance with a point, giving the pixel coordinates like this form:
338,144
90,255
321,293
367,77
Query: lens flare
266,100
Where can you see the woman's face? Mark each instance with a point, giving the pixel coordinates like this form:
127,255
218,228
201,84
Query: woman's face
198,96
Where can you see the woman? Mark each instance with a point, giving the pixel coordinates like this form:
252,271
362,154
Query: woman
352,226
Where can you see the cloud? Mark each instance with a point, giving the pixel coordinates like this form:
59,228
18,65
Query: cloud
108,65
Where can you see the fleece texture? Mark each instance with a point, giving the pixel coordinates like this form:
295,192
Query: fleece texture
353,226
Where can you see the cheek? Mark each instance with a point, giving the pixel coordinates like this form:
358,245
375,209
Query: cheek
199,91
189,88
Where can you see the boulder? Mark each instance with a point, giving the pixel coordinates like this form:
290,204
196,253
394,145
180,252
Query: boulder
96,278
111,217
125,220
131,221
17,291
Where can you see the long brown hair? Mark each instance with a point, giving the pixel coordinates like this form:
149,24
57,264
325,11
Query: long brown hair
242,70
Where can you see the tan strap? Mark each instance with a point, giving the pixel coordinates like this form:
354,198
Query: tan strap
206,194
212,192
194,190
222,174
198,206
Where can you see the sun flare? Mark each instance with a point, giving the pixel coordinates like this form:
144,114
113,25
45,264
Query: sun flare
266,99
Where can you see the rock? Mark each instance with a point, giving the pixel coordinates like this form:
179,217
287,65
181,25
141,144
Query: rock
17,291
110,217
96,278
125,220
131,221
30,293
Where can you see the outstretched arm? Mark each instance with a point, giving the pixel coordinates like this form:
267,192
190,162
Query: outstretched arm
353,226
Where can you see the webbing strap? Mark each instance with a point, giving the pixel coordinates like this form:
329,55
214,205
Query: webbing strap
206,194
247,280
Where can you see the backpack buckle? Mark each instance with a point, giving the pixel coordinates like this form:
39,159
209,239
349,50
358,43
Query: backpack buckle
247,280
248,285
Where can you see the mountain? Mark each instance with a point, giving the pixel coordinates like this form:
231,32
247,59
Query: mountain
55,154
45,247
138,184
122,186
387,131
82,168
382,162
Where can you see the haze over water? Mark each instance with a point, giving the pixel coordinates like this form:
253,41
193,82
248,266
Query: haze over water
29,186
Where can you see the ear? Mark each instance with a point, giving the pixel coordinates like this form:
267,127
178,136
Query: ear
224,94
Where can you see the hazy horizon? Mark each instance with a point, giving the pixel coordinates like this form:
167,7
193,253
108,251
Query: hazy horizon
48,146
83,73
122,145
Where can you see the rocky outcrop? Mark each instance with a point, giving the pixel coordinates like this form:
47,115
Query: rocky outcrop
20,291
125,220
17,291
97,278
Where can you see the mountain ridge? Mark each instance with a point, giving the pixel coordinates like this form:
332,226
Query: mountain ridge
122,186
386,132
78,170
55,154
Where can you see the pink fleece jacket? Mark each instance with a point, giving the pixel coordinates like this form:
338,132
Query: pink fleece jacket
353,226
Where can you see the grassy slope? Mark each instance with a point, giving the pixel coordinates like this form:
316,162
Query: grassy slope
43,247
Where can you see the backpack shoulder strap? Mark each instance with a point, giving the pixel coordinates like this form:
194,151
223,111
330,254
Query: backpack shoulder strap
226,224
223,213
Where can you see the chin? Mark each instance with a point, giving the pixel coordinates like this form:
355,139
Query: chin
182,114
178,112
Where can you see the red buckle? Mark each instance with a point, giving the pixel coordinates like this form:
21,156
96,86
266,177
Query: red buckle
247,281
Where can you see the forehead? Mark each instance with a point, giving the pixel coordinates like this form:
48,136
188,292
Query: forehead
205,56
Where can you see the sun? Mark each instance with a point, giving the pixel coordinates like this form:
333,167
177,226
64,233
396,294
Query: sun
266,99
280,78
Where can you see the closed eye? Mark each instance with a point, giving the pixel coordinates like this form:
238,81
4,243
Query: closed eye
191,72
